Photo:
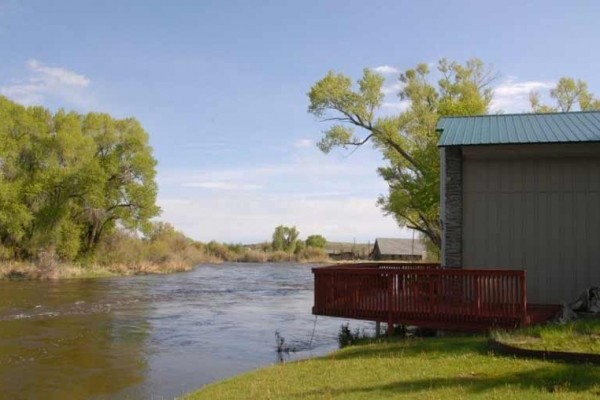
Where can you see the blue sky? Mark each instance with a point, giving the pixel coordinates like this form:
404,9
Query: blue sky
221,87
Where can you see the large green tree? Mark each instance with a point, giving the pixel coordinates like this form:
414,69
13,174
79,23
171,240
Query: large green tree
124,190
67,179
408,139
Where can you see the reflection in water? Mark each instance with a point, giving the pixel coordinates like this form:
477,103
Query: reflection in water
154,336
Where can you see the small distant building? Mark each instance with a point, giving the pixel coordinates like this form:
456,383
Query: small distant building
398,249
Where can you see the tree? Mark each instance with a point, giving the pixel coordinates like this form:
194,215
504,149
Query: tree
125,190
407,140
67,179
568,94
316,241
284,238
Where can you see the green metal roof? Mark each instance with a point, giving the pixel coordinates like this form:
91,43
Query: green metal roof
566,127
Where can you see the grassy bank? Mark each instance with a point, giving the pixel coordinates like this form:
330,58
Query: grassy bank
166,251
579,336
25,270
432,368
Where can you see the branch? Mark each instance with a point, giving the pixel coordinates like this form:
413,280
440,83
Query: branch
360,143
335,119
376,132
119,206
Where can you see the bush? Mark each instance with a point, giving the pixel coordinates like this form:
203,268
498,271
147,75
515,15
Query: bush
312,254
280,256
251,255
316,241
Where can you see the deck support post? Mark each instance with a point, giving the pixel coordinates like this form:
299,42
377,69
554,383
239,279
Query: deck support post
377,328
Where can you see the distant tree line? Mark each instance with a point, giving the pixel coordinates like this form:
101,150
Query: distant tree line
285,238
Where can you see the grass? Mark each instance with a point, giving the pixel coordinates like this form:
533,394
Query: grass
431,368
579,336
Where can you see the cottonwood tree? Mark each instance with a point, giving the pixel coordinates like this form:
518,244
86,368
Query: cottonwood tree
408,139
285,238
569,95
67,179
125,190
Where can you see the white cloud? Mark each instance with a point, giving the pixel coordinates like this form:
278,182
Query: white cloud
45,82
222,185
513,96
386,70
311,166
333,195
58,75
393,88
396,105
303,143
252,217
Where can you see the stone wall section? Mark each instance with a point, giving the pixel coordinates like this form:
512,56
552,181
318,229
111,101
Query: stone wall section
452,206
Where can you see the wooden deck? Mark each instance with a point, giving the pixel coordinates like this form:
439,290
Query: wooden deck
426,295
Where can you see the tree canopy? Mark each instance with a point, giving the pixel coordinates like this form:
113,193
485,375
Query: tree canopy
317,241
569,95
408,139
67,179
285,238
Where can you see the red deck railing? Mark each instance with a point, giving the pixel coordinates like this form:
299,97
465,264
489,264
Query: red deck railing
423,295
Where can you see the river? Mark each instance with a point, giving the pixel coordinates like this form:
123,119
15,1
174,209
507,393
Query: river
155,336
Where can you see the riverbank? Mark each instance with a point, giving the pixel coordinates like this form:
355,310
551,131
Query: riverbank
17,270
30,271
446,368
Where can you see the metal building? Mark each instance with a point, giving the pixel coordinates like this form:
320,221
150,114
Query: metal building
398,249
522,191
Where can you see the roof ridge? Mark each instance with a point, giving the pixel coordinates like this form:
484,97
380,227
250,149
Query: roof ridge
520,114
563,127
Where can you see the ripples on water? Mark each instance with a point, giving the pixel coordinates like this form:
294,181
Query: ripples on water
154,336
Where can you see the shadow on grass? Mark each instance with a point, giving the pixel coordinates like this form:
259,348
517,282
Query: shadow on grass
558,378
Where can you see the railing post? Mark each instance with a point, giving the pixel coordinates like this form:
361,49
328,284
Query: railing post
524,298
390,281
478,294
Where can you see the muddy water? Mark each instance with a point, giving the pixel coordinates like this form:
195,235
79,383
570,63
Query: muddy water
154,337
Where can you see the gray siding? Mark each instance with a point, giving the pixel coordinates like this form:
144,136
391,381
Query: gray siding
536,208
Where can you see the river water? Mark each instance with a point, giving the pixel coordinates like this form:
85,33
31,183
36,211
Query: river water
155,337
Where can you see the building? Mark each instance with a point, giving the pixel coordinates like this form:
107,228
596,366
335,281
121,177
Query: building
523,191
398,249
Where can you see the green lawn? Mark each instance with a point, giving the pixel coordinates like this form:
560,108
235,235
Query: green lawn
582,336
432,368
